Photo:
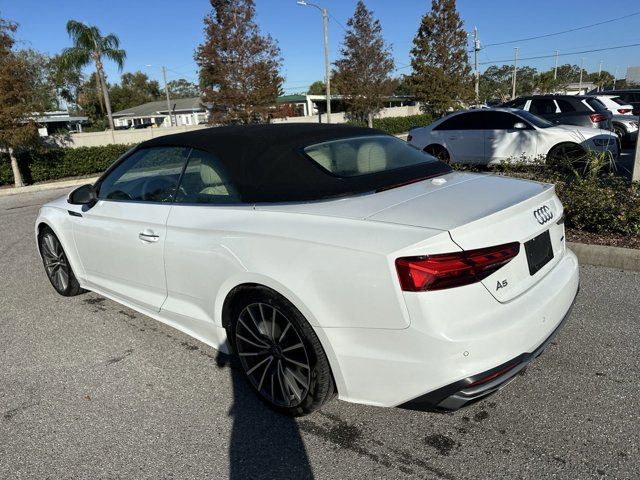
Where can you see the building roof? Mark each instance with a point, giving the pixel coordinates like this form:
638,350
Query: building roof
295,98
159,107
266,163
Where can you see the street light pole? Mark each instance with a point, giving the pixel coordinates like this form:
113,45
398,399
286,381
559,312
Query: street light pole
515,72
166,91
327,65
580,87
476,48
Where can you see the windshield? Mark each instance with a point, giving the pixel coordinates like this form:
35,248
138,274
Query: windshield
356,156
537,121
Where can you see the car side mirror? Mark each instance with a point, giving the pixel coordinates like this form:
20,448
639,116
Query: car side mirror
519,126
84,195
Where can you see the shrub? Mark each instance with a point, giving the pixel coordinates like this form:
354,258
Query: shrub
44,164
396,125
595,200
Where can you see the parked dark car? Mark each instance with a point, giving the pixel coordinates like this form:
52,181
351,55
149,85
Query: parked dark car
581,110
630,96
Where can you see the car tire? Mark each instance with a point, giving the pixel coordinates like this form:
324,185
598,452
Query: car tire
439,152
565,152
621,133
56,264
279,353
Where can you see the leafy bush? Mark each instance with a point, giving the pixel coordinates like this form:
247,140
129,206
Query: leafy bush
44,164
594,198
395,125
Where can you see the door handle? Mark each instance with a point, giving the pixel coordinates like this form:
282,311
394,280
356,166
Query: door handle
148,236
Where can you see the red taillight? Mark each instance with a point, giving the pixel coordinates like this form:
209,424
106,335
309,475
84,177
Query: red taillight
624,110
409,137
448,270
598,117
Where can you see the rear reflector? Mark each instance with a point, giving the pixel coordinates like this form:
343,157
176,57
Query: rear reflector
624,110
448,270
598,117
488,378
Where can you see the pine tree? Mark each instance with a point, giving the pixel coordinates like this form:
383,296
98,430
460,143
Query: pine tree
17,106
363,72
239,67
439,59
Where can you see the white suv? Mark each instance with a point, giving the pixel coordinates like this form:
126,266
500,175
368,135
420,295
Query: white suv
615,104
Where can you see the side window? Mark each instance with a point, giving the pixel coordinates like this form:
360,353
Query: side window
500,120
542,106
565,105
518,103
205,181
147,175
463,121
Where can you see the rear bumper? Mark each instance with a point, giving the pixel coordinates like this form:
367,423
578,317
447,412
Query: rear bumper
470,389
453,336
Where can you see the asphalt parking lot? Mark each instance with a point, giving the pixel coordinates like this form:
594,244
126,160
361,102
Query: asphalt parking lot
91,389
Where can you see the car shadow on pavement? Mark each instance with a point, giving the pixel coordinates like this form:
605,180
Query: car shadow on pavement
263,443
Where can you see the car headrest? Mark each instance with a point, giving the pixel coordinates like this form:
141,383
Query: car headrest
208,175
372,157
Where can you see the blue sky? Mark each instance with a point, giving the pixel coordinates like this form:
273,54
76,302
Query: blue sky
163,32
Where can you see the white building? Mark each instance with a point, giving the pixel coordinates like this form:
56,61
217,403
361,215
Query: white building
184,111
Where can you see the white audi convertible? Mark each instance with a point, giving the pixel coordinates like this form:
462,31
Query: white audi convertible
330,260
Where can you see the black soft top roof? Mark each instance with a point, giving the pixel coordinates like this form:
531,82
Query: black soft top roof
267,163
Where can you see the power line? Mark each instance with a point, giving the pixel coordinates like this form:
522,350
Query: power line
564,54
562,32
336,20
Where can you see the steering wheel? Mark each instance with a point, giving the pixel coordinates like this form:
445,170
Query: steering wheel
157,189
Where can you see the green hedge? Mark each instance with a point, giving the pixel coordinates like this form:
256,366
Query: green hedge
595,199
41,165
395,125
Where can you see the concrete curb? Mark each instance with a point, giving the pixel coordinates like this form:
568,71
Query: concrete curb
5,192
605,256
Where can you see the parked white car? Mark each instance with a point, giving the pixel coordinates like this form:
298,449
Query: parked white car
501,134
331,260
615,104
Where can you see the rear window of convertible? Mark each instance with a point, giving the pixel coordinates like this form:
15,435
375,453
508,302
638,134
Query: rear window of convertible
355,156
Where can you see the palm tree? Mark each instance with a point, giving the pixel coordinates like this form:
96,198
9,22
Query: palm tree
90,46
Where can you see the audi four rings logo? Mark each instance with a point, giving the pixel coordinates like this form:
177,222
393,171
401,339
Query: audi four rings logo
543,214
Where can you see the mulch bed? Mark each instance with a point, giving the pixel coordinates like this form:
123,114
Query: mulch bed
609,239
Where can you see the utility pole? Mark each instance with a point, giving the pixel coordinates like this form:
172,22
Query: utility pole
615,77
555,70
476,48
166,91
580,87
327,72
635,168
515,69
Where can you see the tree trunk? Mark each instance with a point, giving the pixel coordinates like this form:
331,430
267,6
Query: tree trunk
370,119
105,92
17,176
99,92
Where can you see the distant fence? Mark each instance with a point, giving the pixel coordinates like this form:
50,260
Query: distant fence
340,116
124,137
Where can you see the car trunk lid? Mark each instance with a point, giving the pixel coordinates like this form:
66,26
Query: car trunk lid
493,210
